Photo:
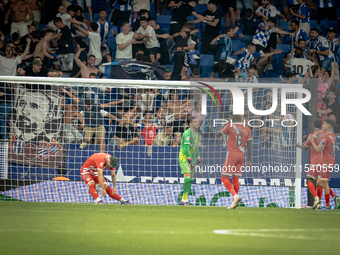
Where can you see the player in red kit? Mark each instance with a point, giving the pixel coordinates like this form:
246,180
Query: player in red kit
316,161
327,147
92,174
238,137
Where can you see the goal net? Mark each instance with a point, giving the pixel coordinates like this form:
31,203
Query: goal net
53,125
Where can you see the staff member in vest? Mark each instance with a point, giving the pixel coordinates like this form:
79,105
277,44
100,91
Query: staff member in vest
104,27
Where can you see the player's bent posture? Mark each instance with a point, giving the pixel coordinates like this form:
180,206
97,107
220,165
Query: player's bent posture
316,160
238,137
187,157
327,147
92,174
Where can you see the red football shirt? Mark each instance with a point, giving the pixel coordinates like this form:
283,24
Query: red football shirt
238,135
149,134
316,158
94,163
329,141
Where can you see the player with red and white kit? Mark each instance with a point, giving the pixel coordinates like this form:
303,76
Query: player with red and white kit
316,160
92,174
238,136
327,147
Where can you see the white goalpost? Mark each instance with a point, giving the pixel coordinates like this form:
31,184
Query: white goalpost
54,124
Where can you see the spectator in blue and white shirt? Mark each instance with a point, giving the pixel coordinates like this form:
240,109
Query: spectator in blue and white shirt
121,11
303,13
297,32
225,40
261,39
104,28
333,43
319,45
266,10
326,8
247,57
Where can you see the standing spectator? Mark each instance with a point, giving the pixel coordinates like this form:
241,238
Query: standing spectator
95,41
124,41
65,45
332,105
321,106
135,27
139,5
126,134
94,122
67,17
326,8
104,28
121,11
225,40
249,22
228,9
5,28
325,83
88,69
297,32
163,138
161,36
88,5
212,28
38,70
177,139
298,64
148,34
284,7
31,29
149,131
36,9
261,39
42,49
333,43
164,5
8,64
19,11
51,7
303,14
319,45
242,4
251,76
180,14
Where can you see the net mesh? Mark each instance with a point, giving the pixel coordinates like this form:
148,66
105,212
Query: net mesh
54,128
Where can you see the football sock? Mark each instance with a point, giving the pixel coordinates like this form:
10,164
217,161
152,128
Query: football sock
186,187
93,191
236,184
319,191
229,186
114,196
311,188
327,200
331,192
191,181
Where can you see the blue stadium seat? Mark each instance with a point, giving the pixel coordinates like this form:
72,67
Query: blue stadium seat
87,15
284,25
201,8
42,26
313,24
327,24
96,16
163,19
97,5
238,45
207,60
111,42
284,47
152,9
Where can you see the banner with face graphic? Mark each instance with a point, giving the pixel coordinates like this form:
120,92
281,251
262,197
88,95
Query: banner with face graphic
35,129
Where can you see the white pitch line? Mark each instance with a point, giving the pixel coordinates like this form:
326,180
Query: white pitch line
257,233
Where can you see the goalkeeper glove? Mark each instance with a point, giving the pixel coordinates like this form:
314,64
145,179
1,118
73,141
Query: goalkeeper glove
200,164
189,160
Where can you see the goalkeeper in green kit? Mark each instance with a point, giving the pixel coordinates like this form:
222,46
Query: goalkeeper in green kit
187,157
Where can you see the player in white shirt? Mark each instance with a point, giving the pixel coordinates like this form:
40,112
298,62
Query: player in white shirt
299,65
95,40
148,34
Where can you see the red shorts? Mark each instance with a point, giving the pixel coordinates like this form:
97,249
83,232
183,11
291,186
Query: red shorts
314,171
325,173
90,178
233,164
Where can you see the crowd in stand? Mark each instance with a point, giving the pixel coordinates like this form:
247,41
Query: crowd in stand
234,40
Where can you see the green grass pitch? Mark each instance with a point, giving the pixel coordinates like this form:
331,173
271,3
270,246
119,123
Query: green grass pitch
51,228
